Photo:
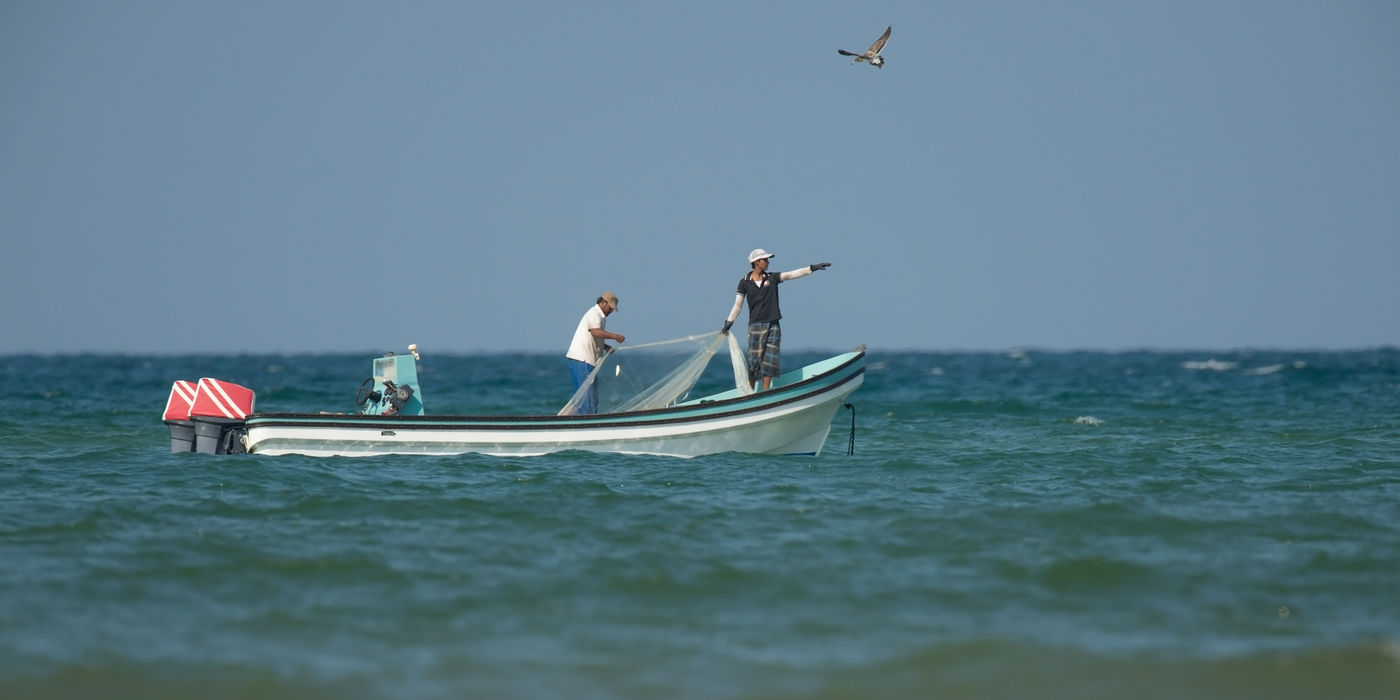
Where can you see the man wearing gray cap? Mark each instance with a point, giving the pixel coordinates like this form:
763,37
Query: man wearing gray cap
588,347
760,288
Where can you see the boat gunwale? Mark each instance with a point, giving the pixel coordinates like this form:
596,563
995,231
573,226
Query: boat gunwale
692,412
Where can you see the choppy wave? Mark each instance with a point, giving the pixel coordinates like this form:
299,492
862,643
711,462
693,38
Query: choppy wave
1077,525
986,667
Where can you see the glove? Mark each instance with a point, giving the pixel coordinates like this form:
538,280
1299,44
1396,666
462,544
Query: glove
820,266
727,324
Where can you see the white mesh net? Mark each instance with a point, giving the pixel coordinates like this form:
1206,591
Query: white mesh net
661,374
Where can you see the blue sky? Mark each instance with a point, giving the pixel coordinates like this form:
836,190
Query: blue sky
346,176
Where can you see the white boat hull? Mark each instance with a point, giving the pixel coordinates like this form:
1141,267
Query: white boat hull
793,418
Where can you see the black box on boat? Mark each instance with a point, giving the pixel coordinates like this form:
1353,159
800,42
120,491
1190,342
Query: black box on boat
181,436
217,436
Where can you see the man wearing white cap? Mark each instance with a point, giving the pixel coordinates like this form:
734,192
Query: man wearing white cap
588,347
760,288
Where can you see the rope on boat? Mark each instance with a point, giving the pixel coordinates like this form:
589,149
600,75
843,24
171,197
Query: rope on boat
851,446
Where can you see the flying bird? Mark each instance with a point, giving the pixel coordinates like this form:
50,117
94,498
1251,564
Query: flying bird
873,53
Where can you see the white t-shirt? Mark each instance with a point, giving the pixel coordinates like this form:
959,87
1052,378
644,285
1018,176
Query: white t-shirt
586,348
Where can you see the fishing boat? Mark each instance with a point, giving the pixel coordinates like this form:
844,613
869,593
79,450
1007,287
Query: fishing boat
794,416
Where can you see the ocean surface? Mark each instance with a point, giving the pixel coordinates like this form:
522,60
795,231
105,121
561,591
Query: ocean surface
1010,525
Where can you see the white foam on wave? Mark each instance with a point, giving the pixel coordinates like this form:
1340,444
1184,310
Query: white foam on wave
1267,369
1211,364
1088,420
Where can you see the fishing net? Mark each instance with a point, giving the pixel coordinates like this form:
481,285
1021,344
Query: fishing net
663,373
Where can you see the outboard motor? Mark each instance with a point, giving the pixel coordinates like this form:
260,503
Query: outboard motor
393,389
177,416
218,412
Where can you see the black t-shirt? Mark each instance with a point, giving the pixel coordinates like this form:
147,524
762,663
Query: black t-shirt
763,299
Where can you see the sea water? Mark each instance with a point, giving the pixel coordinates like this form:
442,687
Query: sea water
1010,525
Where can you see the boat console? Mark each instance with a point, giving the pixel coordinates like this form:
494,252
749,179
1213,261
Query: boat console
393,388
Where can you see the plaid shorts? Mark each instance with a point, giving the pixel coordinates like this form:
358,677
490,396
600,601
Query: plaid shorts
764,356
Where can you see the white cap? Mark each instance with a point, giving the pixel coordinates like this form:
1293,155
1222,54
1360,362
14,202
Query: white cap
758,254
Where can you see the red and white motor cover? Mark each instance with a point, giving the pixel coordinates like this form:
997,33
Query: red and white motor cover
216,398
177,407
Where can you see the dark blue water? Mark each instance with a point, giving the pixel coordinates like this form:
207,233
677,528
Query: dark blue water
1075,525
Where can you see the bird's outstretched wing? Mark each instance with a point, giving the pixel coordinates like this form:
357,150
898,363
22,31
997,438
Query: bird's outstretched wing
844,52
880,43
